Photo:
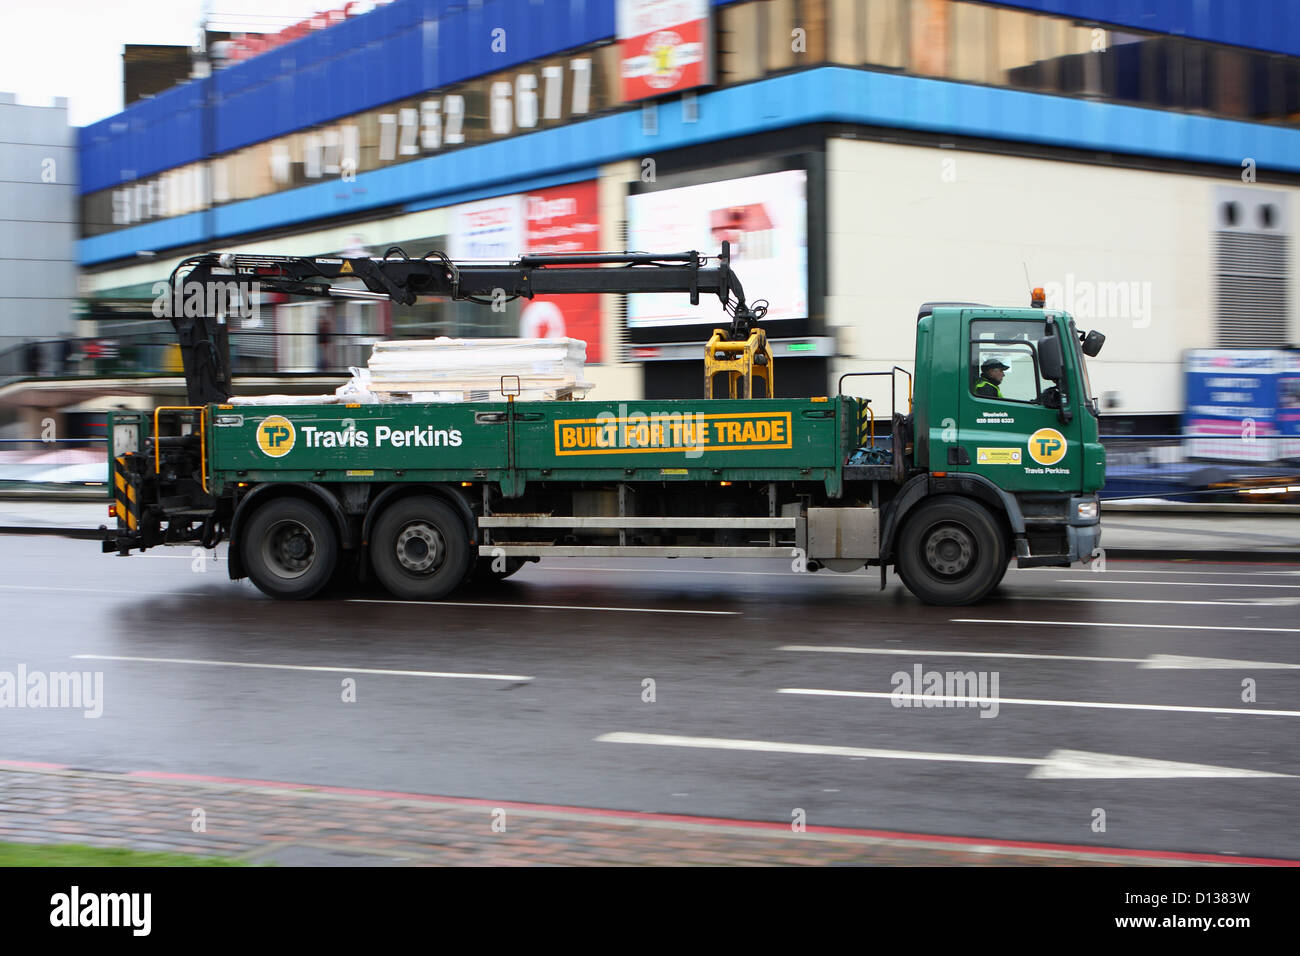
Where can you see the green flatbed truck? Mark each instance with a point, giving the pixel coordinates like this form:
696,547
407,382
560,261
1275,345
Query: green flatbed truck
430,496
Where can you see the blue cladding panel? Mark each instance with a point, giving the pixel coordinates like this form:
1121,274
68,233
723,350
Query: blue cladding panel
829,94
411,46
396,51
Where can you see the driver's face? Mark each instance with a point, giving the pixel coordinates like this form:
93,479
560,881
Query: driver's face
995,375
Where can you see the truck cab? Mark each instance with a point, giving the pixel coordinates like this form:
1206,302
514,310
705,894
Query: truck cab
1004,411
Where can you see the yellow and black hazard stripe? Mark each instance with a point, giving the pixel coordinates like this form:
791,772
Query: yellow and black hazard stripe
866,419
126,496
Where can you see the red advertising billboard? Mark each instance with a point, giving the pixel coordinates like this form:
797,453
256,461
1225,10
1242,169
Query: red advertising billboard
665,46
563,219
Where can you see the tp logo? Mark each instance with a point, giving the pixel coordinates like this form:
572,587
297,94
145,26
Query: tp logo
1047,446
275,436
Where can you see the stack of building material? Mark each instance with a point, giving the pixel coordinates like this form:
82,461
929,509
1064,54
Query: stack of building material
469,370
457,370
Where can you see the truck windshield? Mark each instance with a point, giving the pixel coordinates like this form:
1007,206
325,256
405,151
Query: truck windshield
1082,359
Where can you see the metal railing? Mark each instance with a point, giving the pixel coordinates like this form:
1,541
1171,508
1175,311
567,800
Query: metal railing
157,353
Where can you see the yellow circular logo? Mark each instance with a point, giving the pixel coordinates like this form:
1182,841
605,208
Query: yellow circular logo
1047,446
275,436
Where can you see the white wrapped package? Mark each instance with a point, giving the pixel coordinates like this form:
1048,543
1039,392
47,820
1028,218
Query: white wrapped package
457,370
446,369
283,400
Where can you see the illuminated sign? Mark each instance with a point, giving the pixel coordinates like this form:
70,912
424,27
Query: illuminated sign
765,218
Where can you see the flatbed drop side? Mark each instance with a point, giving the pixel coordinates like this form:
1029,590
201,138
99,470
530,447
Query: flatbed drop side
431,496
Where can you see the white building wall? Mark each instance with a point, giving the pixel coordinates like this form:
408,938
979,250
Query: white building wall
910,224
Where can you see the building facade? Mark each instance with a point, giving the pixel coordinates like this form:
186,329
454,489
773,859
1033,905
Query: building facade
38,227
1139,161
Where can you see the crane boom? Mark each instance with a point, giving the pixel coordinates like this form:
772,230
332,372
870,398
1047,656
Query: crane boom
396,277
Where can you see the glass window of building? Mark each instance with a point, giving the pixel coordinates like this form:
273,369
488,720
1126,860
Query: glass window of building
738,43
971,55
778,30
845,32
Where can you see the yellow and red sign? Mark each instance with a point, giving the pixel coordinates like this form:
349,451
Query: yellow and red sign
673,432
664,46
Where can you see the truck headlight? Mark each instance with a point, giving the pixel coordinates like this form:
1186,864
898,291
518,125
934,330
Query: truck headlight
1087,509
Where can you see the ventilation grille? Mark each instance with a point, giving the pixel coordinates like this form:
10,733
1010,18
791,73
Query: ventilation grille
1251,273
619,353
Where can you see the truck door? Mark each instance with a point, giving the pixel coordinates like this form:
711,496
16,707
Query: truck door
1006,429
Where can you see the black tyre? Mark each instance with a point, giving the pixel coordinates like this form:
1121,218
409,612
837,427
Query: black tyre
420,549
951,551
290,548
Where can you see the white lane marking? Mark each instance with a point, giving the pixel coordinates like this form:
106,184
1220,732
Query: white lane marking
542,607
1177,584
824,750
1245,602
1090,704
1154,661
1169,627
304,667
834,575
1057,765
118,592
1083,572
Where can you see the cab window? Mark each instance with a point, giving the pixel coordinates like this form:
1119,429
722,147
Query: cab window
1004,361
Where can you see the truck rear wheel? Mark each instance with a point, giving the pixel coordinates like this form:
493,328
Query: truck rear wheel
289,548
420,549
951,551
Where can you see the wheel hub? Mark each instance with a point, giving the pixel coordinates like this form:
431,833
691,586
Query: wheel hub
950,550
419,547
289,549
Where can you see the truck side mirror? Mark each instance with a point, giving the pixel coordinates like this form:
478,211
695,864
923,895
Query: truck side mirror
1092,343
1050,359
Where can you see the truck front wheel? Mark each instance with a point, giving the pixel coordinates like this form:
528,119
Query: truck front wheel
289,548
951,551
420,549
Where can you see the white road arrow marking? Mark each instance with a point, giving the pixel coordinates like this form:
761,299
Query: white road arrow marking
1179,662
1057,765
1079,764
967,701
1154,661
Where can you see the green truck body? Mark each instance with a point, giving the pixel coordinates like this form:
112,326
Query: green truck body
515,444
948,488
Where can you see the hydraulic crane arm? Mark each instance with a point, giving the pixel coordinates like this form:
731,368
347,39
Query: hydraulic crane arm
204,339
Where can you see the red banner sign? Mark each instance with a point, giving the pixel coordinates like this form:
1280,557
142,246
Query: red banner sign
563,219
665,46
